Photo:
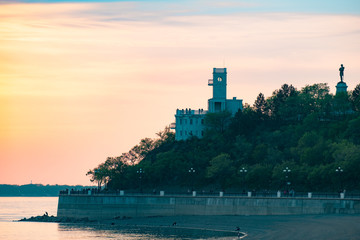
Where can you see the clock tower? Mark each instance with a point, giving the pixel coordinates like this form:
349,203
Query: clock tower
219,81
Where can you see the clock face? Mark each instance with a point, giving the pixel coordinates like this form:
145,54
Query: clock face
219,79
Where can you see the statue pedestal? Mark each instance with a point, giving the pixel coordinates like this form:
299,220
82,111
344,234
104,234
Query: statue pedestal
341,87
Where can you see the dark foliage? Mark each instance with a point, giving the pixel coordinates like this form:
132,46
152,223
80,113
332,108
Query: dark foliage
310,131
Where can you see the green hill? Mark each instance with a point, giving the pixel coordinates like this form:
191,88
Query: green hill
310,132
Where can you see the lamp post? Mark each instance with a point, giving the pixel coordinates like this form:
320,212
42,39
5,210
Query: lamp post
287,171
243,172
140,172
191,173
339,171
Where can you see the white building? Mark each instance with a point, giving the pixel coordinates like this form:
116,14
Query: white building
191,122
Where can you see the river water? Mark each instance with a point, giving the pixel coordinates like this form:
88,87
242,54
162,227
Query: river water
15,208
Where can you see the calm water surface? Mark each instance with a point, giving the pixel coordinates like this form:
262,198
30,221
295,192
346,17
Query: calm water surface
15,208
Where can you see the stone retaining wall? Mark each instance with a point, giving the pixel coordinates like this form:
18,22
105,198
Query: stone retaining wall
115,206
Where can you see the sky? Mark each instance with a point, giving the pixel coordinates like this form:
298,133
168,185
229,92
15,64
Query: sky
81,81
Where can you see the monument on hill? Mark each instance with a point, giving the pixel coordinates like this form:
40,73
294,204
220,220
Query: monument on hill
341,86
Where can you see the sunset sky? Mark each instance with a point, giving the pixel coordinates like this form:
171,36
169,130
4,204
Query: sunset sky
84,80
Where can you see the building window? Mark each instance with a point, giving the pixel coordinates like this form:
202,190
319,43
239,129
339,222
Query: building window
202,133
180,133
180,121
191,121
202,121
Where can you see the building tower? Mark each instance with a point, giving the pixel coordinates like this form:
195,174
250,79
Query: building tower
218,101
190,122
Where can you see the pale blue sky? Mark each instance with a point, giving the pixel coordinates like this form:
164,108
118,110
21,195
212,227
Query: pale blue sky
304,6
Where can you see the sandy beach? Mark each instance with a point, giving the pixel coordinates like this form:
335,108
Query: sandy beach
258,227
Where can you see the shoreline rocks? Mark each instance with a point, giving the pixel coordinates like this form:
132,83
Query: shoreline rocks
47,218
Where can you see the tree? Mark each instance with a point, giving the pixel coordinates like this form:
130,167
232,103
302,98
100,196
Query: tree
259,153
146,145
101,174
218,122
355,98
260,105
278,98
353,130
241,151
169,168
165,136
312,149
221,170
314,98
244,122
259,177
117,176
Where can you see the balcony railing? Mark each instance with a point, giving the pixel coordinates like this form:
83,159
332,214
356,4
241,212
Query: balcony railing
267,194
190,111
210,82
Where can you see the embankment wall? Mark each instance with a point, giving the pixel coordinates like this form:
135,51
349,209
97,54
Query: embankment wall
109,207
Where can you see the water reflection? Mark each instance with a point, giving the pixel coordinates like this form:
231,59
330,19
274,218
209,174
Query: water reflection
102,232
29,231
15,208
12,209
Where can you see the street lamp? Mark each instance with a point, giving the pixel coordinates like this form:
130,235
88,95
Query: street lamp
287,171
243,172
192,172
140,172
339,170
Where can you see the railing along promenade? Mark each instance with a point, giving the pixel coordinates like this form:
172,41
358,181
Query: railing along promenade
264,194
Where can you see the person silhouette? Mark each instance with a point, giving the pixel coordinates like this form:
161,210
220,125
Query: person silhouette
341,69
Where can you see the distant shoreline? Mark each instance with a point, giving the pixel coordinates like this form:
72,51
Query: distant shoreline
35,190
29,196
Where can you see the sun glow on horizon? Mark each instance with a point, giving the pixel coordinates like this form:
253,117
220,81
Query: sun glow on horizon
84,81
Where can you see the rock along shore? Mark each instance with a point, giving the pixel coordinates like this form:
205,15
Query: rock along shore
47,218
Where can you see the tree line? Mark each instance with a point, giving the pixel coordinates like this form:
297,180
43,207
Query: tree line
35,190
311,132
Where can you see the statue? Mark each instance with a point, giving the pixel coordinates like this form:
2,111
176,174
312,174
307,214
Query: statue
341,69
